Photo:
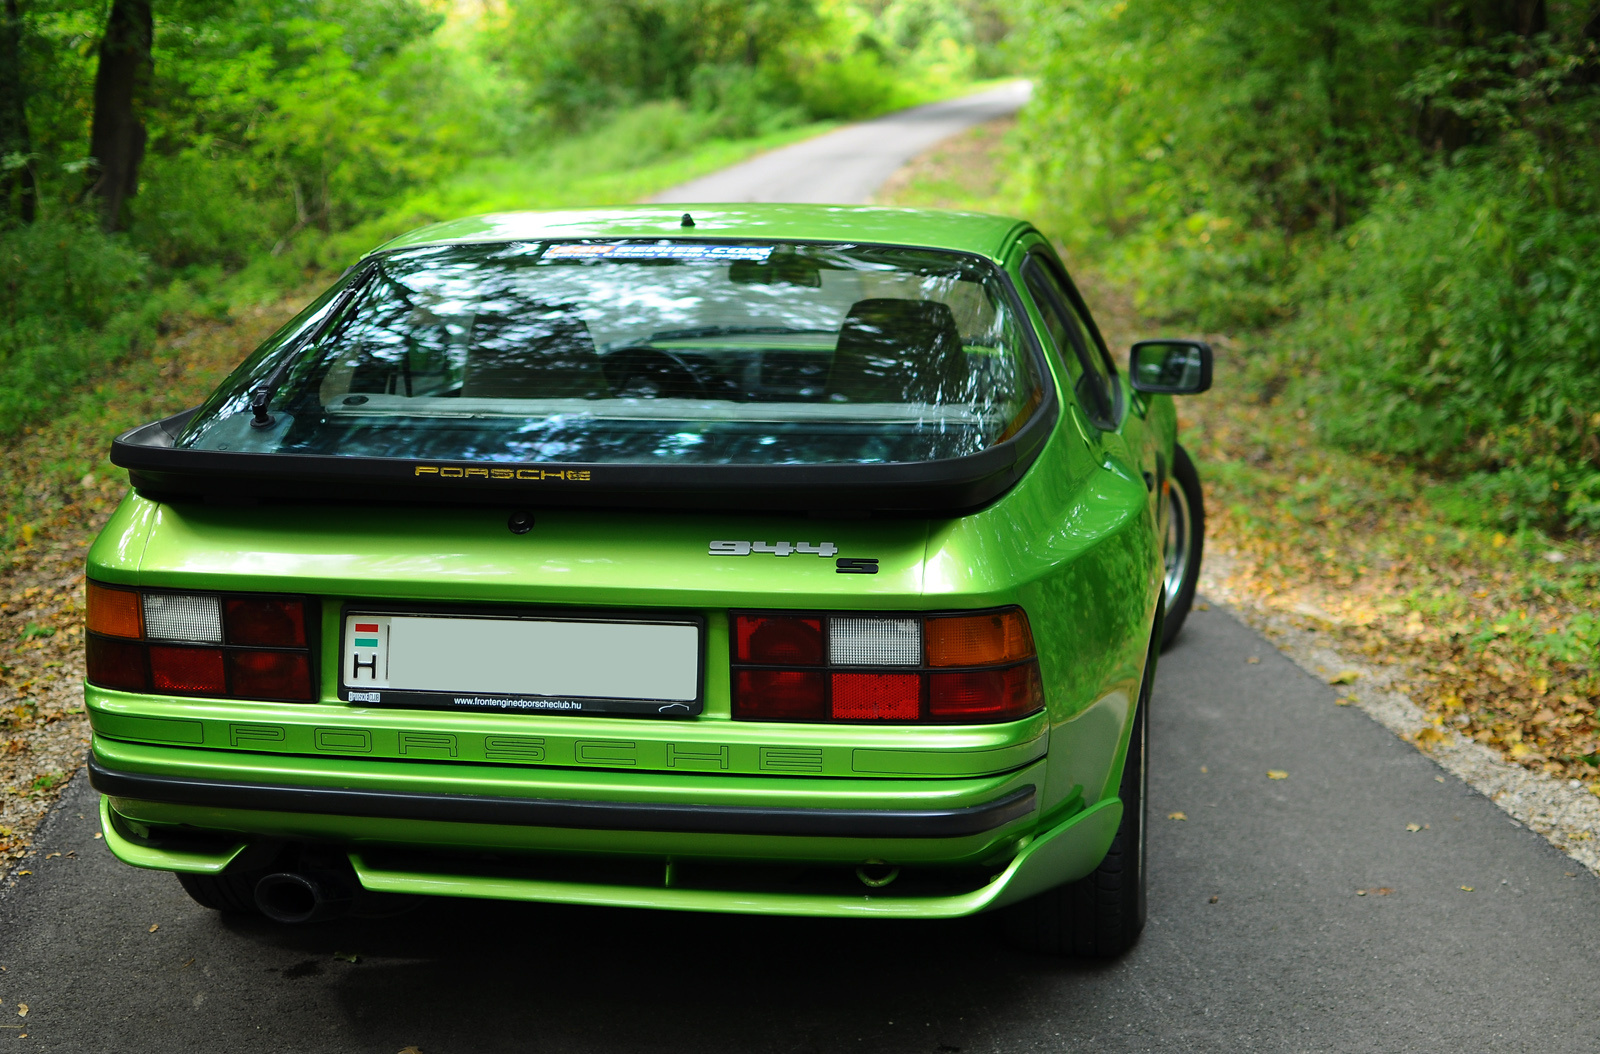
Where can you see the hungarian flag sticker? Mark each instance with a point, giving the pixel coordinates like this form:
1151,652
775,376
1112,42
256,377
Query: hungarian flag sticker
366,651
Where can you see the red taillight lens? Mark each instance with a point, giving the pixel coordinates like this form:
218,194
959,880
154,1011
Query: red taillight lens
780,695
175,669
778,640
116,663
270,675
269,622
877,696
985,695
114,612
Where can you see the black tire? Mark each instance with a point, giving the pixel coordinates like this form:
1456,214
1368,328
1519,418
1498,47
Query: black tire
1185,544
1101,915
234,893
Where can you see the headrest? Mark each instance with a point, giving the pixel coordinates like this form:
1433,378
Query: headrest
540,355
899,351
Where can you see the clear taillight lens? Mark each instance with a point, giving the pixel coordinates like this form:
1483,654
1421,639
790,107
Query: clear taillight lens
967,667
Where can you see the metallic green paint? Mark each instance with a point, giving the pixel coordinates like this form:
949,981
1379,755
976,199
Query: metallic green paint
210,861
1077,543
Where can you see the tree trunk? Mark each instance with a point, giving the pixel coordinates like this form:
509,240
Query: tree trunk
18,193
116,140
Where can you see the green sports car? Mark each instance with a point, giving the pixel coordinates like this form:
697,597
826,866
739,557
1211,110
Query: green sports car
778,559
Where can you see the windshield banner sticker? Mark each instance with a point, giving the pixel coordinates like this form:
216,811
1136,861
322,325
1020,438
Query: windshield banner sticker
757,253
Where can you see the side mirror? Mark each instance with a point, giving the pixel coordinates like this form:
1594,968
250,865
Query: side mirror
1170,367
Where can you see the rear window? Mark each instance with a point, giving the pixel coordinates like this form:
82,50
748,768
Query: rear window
634,352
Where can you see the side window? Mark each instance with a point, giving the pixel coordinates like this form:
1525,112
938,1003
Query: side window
1094,386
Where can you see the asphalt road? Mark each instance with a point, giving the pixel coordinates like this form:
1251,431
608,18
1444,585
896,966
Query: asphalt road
1257,938
1288,958
847,165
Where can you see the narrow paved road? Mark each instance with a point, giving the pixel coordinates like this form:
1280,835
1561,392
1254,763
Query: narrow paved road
849,164
1288,958
1257,940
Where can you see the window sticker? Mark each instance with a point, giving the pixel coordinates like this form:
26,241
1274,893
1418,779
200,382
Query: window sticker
757,253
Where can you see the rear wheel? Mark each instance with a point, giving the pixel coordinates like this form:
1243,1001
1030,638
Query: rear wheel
1185,543
1101,915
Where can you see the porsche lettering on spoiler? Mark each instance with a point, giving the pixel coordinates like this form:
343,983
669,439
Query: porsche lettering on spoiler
570,475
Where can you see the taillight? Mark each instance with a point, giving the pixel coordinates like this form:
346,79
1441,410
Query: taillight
780,695
267,621
113,612
246,647
779,639
947,668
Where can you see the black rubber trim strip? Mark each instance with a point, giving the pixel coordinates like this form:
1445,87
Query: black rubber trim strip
545,812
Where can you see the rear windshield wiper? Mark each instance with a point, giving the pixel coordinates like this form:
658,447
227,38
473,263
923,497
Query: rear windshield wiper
261,395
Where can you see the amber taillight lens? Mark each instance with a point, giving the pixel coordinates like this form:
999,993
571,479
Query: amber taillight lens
113,612
988,639
957,668
194,643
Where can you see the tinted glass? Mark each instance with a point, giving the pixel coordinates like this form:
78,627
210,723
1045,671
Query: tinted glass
1071,337
632,352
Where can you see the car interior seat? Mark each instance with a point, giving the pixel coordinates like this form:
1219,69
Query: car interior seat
899,351
547,354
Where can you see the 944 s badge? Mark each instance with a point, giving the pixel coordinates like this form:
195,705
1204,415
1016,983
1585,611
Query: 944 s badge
775,548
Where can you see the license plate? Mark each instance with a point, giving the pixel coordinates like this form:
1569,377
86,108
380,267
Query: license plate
522,665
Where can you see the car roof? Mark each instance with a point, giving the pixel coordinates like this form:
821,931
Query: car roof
972,232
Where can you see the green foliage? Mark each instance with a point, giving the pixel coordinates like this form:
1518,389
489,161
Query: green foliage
1410,186
68,305
1461,328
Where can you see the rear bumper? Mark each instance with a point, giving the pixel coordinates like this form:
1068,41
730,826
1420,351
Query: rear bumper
956,822
1066,852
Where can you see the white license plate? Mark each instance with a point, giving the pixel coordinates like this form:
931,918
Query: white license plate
522,664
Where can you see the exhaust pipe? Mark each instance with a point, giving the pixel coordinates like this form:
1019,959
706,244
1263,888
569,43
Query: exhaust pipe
311,896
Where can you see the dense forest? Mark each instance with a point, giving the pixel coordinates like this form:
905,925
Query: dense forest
1398,197
149,146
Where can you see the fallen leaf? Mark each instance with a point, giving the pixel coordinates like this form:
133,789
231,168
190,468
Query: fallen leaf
1383,891
188,962
24,872
22,1009
1466,889
1202,607
1204,770
1345,701
1214,898
1345,677
1177,816
1413,827
349,957
1361,892
1253,659
154,926
1438,779
1277,774
411,1050
1428,737
97,834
